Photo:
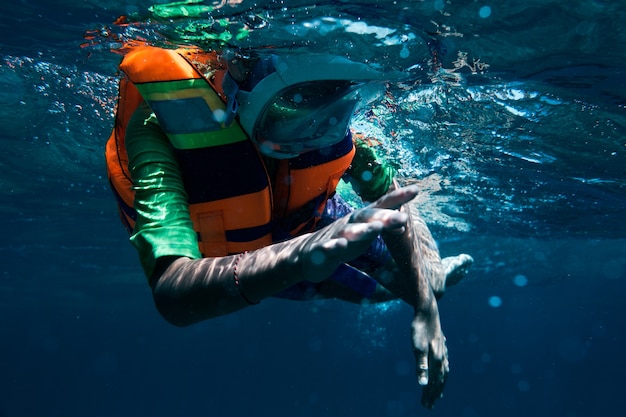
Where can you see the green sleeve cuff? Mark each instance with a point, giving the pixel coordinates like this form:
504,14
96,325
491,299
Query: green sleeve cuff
369,176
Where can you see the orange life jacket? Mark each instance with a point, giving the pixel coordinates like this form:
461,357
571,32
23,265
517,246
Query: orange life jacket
232,202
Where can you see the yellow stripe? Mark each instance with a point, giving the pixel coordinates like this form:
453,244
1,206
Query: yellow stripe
224,136
172,90
194,88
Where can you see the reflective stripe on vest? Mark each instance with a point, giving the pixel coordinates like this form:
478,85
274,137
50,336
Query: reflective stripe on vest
187,110
185,104
226,219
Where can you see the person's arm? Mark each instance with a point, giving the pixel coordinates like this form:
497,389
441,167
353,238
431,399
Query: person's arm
422,279
419,263
188,289
163,225
417,274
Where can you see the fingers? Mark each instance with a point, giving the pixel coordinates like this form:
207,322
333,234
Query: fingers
384,210
349,242
438,374
431,358
362,231
432,392
348,237
422,368
391,220
396,198
421,351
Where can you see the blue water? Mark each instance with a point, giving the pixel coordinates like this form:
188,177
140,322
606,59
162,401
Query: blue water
513,124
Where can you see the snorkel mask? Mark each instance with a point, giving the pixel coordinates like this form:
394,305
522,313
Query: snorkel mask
294,104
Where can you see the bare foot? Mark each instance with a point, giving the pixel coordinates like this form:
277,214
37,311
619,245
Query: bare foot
454,270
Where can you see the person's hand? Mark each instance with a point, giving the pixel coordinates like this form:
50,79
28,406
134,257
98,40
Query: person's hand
421,278
345,239
431,353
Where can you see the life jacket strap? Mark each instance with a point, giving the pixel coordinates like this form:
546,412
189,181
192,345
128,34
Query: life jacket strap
230,89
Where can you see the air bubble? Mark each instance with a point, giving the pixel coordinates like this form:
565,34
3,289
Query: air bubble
318,258
523,385
219,115
520,280
495,301
367,176
484,12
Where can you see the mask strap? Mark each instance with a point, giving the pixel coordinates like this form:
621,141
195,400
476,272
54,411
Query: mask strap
230,89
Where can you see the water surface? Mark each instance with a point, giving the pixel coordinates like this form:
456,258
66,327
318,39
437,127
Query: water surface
513,124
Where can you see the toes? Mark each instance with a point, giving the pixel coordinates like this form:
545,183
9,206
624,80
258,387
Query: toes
456,268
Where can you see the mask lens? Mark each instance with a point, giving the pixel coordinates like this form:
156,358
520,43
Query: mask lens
308,116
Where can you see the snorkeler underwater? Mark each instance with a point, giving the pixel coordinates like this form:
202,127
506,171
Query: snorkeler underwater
509,118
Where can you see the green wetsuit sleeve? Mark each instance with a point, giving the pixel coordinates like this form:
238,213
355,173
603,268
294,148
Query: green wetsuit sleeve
368,175
163,226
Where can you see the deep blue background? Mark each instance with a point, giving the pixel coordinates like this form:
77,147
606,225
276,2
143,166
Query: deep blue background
79,334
